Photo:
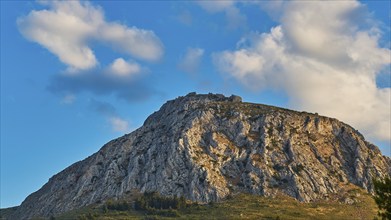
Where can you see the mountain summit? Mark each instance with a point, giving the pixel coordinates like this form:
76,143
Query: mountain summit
206,147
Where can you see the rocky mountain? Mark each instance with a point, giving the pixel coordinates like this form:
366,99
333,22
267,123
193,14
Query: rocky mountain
206,147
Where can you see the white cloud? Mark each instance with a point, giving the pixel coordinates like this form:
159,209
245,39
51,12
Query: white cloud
63,30
122,68
324,65
216,6
232,13
67,28
191,61
119,124
140,43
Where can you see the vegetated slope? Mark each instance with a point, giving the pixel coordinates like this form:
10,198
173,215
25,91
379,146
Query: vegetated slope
241,206
206,147
238,206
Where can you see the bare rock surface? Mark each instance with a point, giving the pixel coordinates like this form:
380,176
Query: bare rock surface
206,147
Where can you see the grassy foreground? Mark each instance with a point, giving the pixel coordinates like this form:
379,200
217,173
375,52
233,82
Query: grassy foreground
240,206
245,206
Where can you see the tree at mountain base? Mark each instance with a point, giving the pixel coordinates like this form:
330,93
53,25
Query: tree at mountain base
383,197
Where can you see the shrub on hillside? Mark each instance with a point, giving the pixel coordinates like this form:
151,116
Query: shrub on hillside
117,205
383,197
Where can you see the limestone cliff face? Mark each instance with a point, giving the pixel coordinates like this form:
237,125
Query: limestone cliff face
206,147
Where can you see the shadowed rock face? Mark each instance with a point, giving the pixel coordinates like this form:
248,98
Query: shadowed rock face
206,147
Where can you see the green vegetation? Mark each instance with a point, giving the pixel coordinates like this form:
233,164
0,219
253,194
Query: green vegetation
155,204
240,206
117,205
383,197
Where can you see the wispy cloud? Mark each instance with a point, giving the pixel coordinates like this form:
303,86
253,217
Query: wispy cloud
191,60
117,123
185,17
103,108
68,99
130,88
235,19
216,6
67,29
324,65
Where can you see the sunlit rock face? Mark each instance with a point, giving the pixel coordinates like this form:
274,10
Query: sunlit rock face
206,147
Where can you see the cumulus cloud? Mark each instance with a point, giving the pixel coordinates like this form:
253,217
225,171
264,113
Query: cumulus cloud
121,67
326,57
67,28
191,61
234,18
109,111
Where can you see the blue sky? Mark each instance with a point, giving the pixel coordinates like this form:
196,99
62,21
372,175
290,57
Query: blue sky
75,75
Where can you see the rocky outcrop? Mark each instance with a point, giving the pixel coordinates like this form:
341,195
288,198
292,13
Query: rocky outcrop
206,147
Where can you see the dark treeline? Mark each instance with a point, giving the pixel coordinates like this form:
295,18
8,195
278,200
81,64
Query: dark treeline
154,200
